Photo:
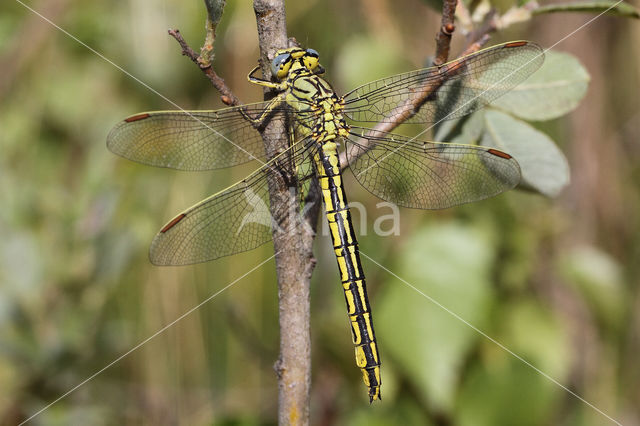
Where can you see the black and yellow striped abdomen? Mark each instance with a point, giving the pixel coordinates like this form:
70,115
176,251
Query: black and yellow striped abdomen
345,246
311,94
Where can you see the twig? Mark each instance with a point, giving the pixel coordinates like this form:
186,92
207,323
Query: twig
214,14
488,26
477,45
405,111
227,95
294,259
293,237
443,39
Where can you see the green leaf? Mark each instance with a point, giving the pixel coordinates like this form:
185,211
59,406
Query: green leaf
402,412
536,334
451,264
552,91
501,389
621,9
599,278
509,393
544,167
470,131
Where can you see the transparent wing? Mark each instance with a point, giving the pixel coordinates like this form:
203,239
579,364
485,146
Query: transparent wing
450,91
192,140
234,220
428,175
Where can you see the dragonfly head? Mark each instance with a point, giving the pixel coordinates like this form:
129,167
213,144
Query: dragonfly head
295,58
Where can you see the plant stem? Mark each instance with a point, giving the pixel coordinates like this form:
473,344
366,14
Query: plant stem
227,95
293,243
443,39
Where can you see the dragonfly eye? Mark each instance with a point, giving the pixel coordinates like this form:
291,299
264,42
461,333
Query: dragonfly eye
280,65
311,59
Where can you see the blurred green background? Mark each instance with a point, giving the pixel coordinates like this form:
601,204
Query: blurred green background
554,280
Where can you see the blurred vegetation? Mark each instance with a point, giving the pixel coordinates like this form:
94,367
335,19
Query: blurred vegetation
554,280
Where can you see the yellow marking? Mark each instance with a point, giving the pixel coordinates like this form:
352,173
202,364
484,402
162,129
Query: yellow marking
365,377
342,265
293,415
335,234
361,359
354,261
337,181
374,351
347,229
367,321
331,217
361,294
351,307
333,162
357,337
353,334
376,391
326,195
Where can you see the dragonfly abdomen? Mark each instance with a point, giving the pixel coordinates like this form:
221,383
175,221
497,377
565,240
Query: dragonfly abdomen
347,254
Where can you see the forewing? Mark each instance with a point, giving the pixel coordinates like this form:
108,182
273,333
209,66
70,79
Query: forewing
450,91
428,175
192,140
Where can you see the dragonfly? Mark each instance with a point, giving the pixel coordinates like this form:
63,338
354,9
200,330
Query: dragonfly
327,133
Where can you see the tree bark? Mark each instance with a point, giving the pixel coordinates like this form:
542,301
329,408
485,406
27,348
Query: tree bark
447,27
293,243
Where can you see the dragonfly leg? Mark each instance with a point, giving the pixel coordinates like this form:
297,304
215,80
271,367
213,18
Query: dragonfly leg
261,82
264,116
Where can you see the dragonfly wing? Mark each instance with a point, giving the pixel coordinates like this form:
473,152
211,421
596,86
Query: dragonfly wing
191,140
450,91
429,175
234,220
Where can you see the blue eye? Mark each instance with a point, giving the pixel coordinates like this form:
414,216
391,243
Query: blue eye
278,62
313,52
